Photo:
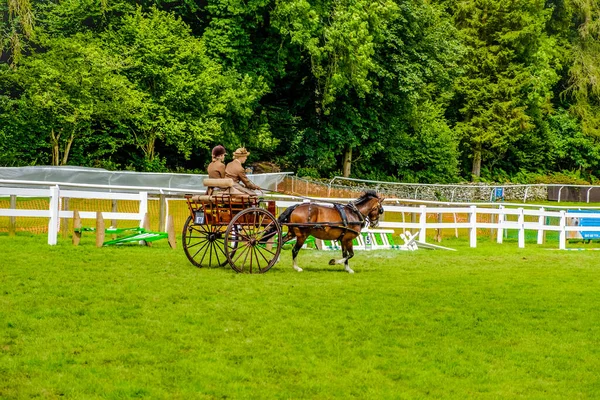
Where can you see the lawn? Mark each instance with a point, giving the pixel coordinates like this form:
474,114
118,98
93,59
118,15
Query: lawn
125,322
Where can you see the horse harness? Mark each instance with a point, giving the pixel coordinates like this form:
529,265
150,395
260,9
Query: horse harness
341,209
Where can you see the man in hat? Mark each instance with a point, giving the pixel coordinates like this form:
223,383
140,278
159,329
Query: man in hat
235,170
216,169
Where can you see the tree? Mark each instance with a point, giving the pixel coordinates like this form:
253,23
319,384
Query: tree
584,72
188,97
17,21
509,74
66,87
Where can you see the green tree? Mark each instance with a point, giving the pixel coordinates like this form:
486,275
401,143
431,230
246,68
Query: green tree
373,79
584,71
189,98
509,74
16,23
63,89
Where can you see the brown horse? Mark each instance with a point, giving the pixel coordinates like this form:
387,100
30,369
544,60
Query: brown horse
332,222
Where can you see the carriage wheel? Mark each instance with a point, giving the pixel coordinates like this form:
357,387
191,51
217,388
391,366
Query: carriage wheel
204,245
251,233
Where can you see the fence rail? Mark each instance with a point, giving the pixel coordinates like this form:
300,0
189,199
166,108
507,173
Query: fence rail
471,217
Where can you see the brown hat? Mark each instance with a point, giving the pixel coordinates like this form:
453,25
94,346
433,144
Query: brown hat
218,151
241,152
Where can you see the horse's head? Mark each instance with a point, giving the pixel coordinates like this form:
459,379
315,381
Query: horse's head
375,213
369,205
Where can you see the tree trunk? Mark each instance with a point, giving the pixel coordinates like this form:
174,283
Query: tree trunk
347,163
476,171
149,147
68,149
54,142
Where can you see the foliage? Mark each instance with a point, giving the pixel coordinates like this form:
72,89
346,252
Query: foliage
509,74
67,88
189,97
437,91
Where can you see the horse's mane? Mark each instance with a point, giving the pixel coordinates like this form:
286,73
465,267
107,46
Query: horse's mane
366,196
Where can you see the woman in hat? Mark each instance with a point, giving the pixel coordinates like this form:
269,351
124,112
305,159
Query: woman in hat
235,170
216,169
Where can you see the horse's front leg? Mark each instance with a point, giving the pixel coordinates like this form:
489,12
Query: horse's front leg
347,253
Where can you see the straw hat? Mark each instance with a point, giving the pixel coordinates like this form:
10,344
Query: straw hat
218,151
241,152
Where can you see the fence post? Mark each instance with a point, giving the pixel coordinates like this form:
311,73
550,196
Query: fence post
455,229
492,221
162,212
423,224
114,208
143,207
439,230
501,218
521,228
65,221
12,225
53,222
473,229
542,222
559,190
562,237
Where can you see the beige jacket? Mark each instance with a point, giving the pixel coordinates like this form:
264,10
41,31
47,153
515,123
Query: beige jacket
216,170
235,170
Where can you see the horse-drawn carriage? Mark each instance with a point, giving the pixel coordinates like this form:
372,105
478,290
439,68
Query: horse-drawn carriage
241,230
229,228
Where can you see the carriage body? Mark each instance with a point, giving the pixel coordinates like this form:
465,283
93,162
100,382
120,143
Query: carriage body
229,228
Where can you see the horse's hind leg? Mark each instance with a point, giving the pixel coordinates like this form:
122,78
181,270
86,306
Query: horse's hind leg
347,253
299,243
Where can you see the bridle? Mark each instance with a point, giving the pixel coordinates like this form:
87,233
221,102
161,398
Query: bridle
373,223
365,219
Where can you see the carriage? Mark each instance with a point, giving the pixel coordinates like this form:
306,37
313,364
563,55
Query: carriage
228,227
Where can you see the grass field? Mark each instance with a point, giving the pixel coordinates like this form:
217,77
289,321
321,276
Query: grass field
135,322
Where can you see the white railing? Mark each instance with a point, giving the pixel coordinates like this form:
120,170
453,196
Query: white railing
54,214
502,217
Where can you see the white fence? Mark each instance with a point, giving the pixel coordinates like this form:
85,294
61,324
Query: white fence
503,218
54,214
501,222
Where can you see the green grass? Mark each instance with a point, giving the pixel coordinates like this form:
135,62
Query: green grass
126,322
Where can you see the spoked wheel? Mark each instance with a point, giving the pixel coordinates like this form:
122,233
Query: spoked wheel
251,236
204,245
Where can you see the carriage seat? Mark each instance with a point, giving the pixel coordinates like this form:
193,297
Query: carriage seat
220,184
224,183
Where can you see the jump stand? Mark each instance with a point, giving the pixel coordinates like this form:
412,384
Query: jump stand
128,235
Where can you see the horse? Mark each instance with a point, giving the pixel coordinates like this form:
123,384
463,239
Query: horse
332,222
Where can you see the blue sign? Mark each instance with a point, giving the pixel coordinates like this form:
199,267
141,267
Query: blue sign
591,221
